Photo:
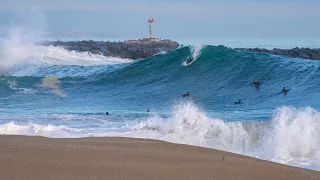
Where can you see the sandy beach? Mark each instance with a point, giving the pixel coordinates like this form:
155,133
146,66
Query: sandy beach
39,158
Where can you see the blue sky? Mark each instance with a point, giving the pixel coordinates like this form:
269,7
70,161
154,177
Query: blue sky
173,18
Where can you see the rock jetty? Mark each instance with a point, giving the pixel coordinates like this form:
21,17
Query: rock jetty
130,49
303,53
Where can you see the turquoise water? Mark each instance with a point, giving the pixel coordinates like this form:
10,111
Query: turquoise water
56,93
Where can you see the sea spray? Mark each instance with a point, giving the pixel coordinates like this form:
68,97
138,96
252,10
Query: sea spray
14,51
196,50
17,46
195,53
292,134
190,125
21,56
41,59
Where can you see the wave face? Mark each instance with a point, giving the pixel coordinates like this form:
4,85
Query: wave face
52,92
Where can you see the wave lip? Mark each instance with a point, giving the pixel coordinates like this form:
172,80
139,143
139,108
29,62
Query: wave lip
38,59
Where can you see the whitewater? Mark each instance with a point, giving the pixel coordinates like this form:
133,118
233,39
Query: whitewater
52,92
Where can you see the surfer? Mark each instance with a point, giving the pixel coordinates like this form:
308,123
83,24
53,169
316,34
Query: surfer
285,91
189,60
148,110
187,94
256,84
238,102
107,113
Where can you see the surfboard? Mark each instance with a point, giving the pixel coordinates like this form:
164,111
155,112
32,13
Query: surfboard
187,64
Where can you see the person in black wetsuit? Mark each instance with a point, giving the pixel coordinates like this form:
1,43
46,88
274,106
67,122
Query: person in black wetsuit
238,102
187,94
189,60
107,113
256,84
285,91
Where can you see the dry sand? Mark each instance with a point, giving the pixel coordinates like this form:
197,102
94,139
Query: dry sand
38,158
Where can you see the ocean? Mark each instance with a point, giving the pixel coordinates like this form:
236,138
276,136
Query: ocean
52,92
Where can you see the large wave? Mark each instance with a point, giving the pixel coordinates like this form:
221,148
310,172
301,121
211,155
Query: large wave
217,78
268,124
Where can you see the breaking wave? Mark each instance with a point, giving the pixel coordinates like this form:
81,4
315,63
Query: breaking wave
42,81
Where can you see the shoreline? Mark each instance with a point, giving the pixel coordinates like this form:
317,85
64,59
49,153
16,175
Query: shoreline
34,157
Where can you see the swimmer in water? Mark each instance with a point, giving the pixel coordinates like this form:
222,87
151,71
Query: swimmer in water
285,91
187,94
256,84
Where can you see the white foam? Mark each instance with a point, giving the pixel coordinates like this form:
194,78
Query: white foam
291,137
294,135
20,57
12,128
196,51
14,85
13,51
59,56
189,125
38,57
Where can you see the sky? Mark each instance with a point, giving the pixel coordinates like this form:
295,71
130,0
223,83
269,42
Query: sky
173,18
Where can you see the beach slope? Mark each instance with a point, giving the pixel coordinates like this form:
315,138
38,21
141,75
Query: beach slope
39,158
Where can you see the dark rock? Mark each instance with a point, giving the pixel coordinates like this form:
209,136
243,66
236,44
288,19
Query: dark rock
131,49
304,53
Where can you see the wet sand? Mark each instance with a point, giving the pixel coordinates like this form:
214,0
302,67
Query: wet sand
38,158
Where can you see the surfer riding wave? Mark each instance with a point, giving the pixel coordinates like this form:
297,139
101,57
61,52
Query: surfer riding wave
189,60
